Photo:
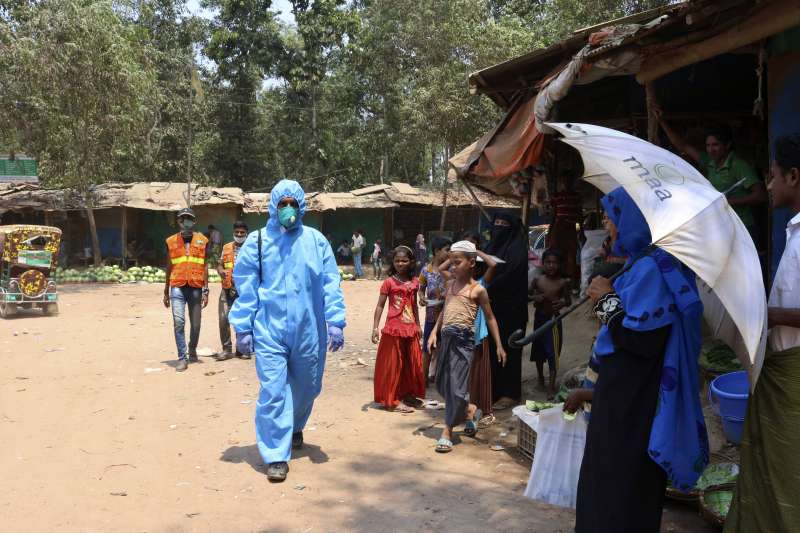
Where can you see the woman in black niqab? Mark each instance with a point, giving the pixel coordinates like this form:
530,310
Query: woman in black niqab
508,293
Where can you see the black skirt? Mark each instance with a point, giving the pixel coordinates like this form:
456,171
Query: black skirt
621,489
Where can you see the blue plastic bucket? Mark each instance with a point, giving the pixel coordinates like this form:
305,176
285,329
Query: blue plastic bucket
733,429
728,394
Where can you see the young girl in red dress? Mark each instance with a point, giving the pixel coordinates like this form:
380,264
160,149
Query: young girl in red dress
399,380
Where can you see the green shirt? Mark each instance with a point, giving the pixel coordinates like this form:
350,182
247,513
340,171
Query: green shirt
723,177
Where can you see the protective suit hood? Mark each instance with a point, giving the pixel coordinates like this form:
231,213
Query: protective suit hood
281,190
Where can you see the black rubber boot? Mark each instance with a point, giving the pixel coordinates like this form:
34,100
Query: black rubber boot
297,440
276,472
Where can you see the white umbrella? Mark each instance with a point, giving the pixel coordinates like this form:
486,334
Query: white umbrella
691,220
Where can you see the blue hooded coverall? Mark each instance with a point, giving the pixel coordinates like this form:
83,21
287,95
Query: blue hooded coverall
298,296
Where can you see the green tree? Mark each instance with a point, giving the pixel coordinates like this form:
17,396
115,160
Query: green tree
245,44
74,91
176,129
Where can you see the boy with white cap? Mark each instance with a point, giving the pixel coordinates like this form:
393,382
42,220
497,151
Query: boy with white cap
456,324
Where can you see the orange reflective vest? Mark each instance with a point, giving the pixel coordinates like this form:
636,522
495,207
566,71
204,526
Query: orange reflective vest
228,258
187,268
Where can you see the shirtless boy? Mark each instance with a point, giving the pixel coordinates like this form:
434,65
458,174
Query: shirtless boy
551,293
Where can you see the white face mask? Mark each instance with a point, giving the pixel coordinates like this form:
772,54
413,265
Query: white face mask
239,240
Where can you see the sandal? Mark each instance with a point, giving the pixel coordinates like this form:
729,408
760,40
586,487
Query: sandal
411,401
470,427
400,408
444,446
486,421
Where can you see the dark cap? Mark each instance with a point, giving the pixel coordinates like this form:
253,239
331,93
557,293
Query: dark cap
186,212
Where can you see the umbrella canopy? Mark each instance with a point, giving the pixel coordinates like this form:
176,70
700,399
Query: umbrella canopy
691,220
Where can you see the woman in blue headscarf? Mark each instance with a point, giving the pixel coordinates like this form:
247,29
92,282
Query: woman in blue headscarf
647,425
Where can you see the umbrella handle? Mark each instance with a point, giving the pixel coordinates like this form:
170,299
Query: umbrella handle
516,340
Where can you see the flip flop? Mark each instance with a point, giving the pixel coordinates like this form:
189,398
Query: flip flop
401,408
470,427
444,446
413,402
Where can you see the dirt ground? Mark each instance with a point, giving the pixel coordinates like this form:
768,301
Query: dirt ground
99,433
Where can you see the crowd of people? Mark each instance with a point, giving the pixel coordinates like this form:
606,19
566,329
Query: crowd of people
281,293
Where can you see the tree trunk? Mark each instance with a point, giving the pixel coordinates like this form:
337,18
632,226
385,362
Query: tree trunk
124,238
444,191
93,233
433,163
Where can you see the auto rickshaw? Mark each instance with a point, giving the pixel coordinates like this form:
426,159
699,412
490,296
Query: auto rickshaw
28,256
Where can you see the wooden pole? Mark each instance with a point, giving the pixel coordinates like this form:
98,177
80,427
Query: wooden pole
477,202
444,190
526,204
93,232
124,237
652,121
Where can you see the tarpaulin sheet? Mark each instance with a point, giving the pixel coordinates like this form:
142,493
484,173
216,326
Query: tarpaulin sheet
513,145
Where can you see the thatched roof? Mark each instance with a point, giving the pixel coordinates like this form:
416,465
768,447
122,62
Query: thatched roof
161,196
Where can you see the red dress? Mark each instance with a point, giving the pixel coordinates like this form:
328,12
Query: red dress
398,367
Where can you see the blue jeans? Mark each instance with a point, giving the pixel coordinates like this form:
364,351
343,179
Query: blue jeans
179,298
357,264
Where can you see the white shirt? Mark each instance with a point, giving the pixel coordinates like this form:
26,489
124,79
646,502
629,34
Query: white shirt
358,241
786,288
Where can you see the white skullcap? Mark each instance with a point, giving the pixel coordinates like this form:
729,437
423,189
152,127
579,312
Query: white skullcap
464,246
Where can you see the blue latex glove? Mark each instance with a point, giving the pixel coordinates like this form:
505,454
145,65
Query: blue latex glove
335,338
244,342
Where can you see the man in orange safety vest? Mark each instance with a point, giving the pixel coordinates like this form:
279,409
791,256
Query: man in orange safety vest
228,294
187,284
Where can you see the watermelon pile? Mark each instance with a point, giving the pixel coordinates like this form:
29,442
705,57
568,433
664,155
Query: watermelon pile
109,274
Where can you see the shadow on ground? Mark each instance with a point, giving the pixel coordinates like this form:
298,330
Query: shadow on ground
249,454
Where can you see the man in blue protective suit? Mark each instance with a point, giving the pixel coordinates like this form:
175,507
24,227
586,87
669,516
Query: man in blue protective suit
290,306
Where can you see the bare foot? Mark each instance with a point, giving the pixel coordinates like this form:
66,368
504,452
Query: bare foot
471,410
400,408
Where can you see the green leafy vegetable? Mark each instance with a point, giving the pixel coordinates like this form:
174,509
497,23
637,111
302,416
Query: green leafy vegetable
718,474
719,501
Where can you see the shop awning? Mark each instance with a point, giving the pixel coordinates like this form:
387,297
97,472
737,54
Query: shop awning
513,145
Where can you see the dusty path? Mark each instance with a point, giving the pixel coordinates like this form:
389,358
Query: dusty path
98,433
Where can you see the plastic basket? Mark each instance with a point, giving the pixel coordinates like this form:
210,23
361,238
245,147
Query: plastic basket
709,514
526,440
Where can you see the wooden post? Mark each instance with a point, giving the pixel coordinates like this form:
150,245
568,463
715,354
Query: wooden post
124,237
482,210
526,204
93,233
444,206
652,121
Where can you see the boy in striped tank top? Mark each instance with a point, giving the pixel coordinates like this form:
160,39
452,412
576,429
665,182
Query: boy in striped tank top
456,329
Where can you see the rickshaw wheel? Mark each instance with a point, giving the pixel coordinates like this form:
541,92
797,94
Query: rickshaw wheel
50,309
7,309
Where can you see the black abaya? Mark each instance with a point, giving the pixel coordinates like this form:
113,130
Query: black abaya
508,294
616,455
